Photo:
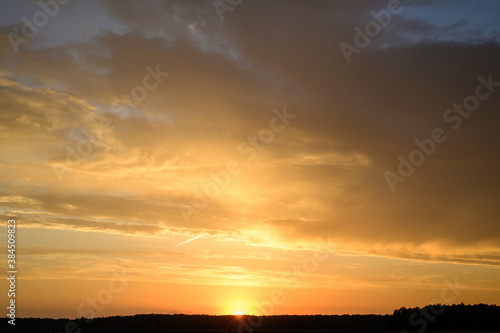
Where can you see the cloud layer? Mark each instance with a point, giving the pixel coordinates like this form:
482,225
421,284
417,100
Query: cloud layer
87,144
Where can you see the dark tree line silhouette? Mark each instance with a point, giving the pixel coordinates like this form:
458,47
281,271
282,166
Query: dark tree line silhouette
460,317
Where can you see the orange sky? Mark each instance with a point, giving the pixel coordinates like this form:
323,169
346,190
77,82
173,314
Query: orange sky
159,159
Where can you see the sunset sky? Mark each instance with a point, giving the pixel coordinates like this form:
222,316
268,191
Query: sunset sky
186,157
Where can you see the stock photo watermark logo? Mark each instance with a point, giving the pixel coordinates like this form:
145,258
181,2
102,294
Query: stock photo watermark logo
92,305
297,275
428,314
119,107
454,117
222,6
372,29
40,19
222,179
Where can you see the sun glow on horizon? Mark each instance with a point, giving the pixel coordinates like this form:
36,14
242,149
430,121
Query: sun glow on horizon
243,304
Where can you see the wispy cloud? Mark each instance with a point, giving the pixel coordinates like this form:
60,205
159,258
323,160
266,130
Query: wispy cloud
190,240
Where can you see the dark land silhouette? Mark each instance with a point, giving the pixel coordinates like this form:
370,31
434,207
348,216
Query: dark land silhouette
460,317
